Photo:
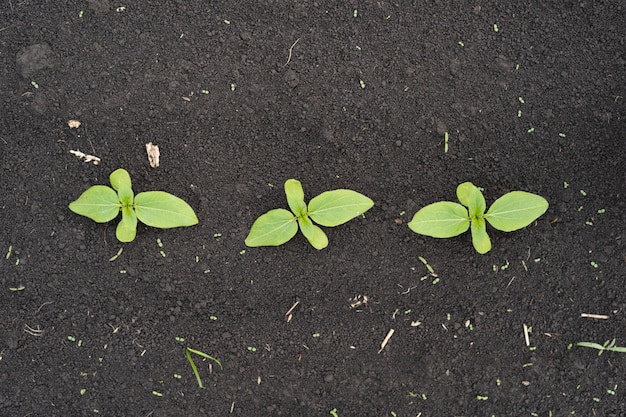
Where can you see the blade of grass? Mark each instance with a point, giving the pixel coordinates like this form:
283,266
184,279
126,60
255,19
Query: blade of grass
188,352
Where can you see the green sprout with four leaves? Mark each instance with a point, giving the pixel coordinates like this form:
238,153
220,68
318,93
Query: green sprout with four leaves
154,208
444,219
331,208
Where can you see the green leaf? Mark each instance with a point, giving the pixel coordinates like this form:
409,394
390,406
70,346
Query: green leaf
127,227
463,192
590,345
120,177
442,219
100,203
477,204
295,197
125,194
163,210
515,210
480,238
272,229
314,234
336,207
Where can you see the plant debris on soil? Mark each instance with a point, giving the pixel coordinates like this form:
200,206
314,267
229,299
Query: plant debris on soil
398,101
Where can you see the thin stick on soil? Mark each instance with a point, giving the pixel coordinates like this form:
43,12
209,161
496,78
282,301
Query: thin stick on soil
292,307
526,337
385,340
290,52
288,313
595,316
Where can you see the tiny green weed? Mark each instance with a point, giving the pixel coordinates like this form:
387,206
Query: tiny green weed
331,208
444,219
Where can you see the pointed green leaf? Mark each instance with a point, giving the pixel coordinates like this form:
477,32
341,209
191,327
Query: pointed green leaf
516,210
163,210
272,228
295,197
336,207
463,192
125,194
127,227
100,203
120,177
480,238
314,234
476,206
442,219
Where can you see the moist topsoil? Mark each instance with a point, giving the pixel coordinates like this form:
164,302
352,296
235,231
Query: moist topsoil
241,96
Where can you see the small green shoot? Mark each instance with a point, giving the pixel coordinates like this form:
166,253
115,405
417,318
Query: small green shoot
331,208
154,208
444,219
188,352
430,268
609,345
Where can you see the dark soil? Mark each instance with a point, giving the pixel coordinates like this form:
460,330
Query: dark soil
241,96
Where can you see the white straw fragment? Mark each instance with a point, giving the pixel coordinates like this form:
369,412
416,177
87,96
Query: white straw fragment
526,337
595,316
292,307
88,158
385,340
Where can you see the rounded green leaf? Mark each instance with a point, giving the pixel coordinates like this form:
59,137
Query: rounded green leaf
480,238
100,203
442,219
516,210
463,192
272,229
127,227
336,207
477,203
125,195
163,210
314,234
120,177
295,197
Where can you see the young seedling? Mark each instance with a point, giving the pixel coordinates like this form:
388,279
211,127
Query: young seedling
331,208
154,208
512,211
608,345
188,352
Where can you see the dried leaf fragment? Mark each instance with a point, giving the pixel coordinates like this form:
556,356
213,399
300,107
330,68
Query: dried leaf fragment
153,154
73,124
88,158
